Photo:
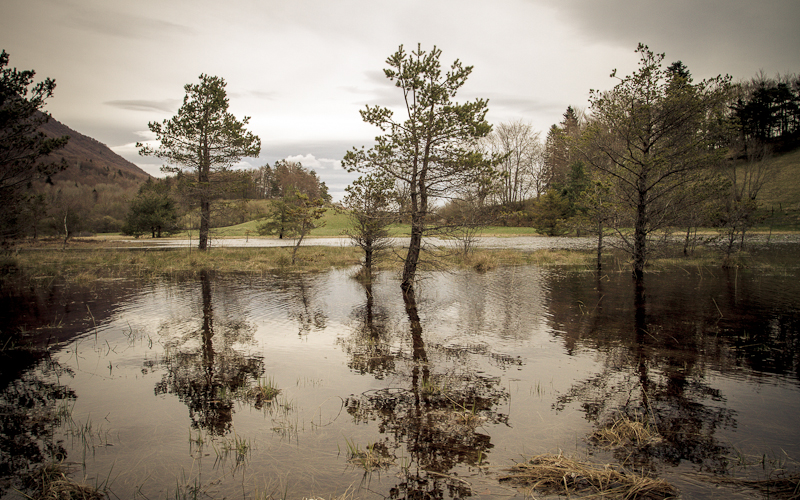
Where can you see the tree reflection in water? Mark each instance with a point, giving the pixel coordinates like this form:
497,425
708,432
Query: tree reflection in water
29,415
645,377
435,418
303,307
208,378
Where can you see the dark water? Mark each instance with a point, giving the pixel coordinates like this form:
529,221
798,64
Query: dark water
145,387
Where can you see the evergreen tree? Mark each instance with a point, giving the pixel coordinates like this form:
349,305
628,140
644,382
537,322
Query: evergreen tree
22,144
433,151
205,139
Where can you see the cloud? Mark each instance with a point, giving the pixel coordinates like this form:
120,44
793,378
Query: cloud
255,94
310,161
165,105
104,21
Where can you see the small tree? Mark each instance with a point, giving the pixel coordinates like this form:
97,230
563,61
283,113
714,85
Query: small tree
205,139
153,211
296,218
22,145
368,203
433,151
550,213
745,179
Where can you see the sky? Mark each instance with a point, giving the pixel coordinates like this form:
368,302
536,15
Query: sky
302,69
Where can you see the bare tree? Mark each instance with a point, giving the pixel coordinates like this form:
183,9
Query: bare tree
522,164
746,178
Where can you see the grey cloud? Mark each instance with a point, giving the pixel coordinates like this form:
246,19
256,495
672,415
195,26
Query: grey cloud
257,94
166,105
124,25
716,36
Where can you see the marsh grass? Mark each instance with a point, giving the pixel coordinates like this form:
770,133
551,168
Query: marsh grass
626,432
94,261
52,482
89,265
264,392
557,474
774,476
781,485
374,456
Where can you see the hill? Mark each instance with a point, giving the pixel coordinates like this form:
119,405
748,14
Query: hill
90,161
780,196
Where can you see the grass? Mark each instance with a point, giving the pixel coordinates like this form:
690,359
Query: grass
552,474
782,192
99,258
89,265
52,482
626,432
333,224
374,456
264,392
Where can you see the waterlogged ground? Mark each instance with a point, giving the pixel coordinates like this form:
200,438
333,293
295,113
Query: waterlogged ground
149,389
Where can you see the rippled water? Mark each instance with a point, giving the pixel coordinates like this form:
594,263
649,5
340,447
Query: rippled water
146,388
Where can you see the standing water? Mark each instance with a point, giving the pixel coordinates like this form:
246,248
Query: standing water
292,386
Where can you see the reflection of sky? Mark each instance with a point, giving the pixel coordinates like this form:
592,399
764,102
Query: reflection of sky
502,323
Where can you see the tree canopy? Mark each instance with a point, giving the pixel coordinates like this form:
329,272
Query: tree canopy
205,139
432,151
650,136
22,144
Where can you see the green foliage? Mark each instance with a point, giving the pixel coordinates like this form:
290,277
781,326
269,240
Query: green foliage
768,110
294,216
153,210
22,145
550,213
369,203
205,139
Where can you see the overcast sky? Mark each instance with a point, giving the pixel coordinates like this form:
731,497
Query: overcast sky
302,69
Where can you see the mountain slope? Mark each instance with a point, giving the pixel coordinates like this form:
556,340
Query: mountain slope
90,161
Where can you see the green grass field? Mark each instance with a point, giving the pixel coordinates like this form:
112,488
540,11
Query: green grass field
336,223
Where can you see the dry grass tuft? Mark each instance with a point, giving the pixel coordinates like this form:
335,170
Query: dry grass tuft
50,482
626,432
557,474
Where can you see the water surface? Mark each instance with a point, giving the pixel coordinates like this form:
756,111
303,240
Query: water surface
146,388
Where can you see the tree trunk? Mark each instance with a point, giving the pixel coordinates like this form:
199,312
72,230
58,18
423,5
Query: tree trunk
205,216
640,237
299,240
686,241
599,245
412,257
368,258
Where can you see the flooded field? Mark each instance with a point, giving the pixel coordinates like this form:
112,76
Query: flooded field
293,386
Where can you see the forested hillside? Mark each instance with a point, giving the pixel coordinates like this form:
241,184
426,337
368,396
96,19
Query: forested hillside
90,161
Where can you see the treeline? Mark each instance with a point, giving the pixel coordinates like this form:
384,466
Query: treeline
657,153
165,205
